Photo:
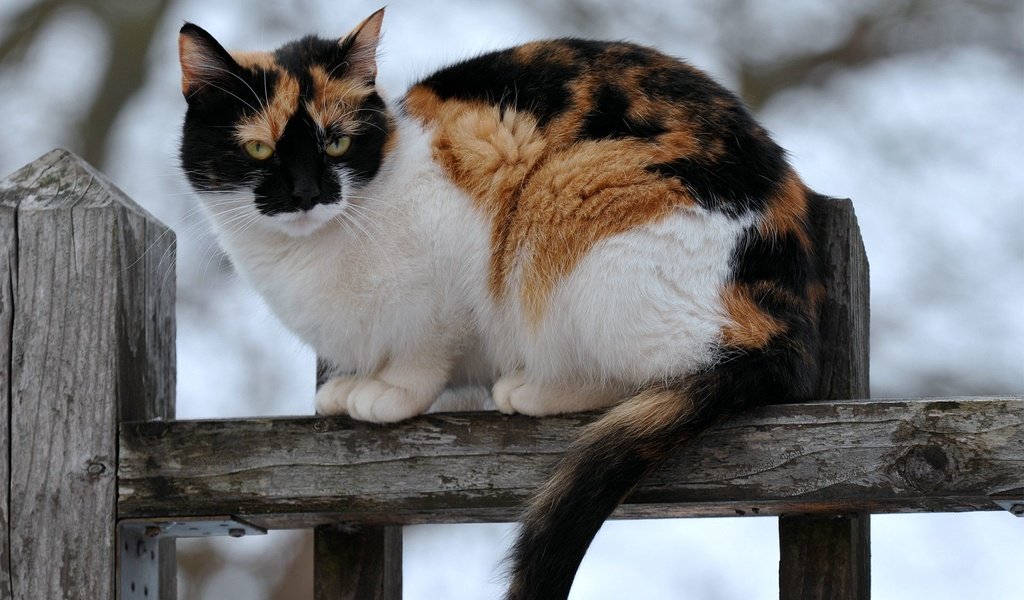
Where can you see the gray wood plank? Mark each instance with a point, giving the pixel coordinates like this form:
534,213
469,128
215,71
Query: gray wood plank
92,341
8,272
845,456
353,562
819,550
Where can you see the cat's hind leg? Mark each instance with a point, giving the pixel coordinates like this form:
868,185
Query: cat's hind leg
516,393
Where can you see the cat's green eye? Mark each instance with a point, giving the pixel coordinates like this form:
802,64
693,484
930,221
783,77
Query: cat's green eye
338,146
259,150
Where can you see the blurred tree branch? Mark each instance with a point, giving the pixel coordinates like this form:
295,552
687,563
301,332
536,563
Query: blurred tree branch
129,25
24,26
872,34
881,35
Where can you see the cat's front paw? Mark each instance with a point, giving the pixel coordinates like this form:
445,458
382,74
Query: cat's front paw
380,402
332,397
506,389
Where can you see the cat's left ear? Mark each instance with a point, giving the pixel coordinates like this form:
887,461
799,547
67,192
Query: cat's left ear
361,48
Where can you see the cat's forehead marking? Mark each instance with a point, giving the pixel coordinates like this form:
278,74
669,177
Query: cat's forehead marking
268,122
256,60
334,100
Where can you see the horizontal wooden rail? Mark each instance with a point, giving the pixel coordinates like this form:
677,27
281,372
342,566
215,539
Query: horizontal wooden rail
879,456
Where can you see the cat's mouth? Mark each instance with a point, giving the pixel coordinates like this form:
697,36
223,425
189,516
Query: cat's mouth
303,223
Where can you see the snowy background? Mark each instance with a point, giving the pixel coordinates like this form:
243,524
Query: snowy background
913,108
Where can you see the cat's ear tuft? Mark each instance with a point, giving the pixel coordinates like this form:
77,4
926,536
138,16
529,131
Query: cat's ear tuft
203,60
361,48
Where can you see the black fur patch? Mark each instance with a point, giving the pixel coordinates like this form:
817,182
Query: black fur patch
780,260
610,118
299,56
209,153
746,174
367,153
539,88
297,177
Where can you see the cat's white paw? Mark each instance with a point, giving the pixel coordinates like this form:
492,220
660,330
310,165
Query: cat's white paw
332,397
380,402
505,388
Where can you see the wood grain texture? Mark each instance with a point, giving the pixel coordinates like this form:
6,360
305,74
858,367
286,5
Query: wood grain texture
846,456
846,314
8,272
357,562
828,558
91,342
841,571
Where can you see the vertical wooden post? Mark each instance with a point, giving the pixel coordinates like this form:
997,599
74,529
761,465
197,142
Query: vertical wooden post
829,557
356,562
87,340
8,270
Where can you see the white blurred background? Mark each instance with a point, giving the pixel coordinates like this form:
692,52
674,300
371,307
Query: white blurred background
913,108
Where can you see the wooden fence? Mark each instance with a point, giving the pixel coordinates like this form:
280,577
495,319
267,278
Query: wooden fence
100,479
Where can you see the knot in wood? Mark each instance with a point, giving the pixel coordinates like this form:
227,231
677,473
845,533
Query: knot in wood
924,467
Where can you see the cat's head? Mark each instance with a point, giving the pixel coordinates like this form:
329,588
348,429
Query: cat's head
291,133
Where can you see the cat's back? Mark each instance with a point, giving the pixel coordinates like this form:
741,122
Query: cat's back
577,90
608,169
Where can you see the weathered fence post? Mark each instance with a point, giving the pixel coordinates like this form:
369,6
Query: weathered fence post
828,557
86,340
356,562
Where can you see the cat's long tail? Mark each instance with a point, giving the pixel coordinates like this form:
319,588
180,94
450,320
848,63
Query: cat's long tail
615,452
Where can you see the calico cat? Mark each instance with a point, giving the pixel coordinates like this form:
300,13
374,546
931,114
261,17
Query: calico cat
589,225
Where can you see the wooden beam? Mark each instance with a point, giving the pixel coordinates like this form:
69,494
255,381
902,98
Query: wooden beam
90,340
947,454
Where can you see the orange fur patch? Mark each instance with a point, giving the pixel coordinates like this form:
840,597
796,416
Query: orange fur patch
267,124
787,212
643,415
579,196
334,101
423,104
549,203
256,60
751,327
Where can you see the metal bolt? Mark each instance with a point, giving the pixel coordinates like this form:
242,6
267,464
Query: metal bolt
236,532
96,468
1017,510
152,531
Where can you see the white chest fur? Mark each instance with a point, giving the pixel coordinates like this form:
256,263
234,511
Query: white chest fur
399,264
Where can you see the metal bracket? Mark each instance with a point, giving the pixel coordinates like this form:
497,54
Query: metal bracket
1013,504
139,542
187,527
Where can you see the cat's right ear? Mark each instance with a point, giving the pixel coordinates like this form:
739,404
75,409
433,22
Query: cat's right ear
204,62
